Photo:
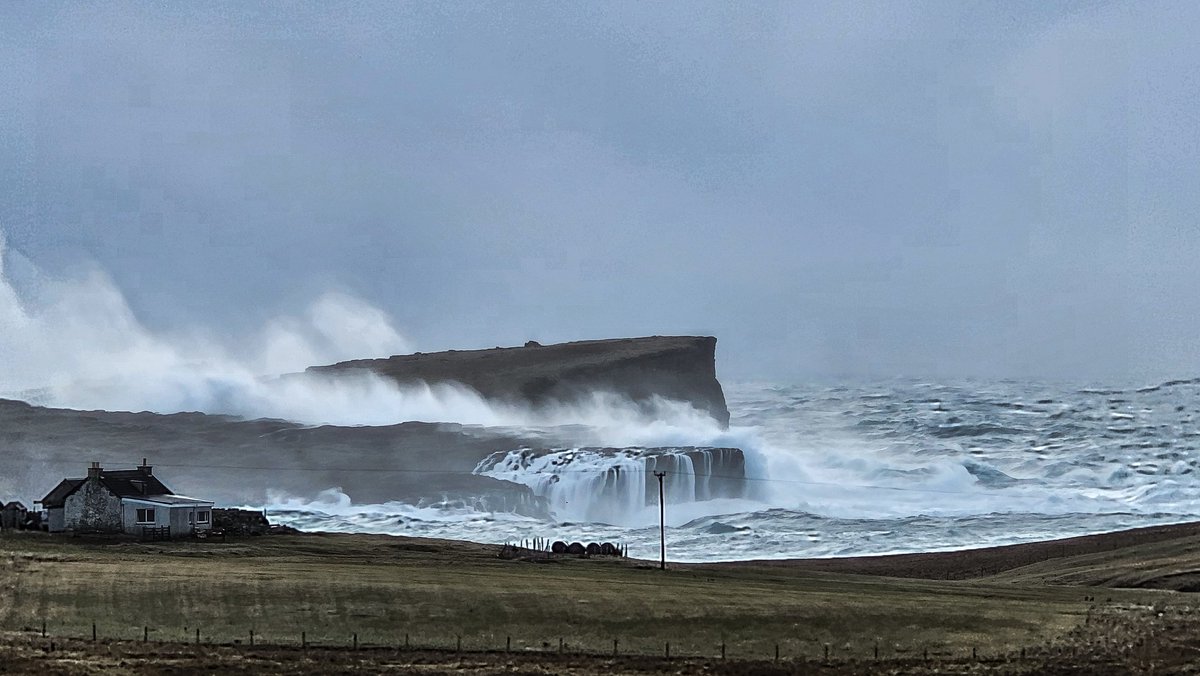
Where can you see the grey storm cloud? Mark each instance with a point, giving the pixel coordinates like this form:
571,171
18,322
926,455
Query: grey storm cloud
943,189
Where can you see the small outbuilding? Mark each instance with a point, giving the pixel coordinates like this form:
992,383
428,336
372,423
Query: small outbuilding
124,501
13,515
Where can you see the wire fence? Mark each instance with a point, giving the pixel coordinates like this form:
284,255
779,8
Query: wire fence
764,649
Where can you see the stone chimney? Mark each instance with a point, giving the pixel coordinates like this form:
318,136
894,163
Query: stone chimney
145,468
94,471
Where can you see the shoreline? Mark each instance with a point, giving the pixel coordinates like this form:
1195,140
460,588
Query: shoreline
954,565
969,563
947,559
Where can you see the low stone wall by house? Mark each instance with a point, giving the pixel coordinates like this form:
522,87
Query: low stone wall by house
246,522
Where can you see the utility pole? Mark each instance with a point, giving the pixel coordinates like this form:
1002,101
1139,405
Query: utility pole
662,522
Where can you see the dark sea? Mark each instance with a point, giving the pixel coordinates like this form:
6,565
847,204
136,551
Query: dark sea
839,470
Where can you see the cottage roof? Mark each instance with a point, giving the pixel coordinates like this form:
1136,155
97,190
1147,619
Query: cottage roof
16,505
132,483
56,497
123,483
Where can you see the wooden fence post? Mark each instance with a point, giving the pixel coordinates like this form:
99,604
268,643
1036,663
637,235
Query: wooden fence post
406,640
458,644
560,645
877,650
614,647
93,632
508,644
304,640
776,652
145,634
722,650
356,640
197,635
43,629
668,653
251,638
826,652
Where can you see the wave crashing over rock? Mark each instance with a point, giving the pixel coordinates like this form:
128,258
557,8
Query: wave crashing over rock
618,485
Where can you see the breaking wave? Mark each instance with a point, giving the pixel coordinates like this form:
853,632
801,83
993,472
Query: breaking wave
620,485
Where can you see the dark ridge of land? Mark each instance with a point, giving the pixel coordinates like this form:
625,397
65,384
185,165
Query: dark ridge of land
236,461
682,368
1159,557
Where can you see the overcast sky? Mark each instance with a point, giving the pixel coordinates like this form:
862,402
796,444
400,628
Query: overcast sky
930,189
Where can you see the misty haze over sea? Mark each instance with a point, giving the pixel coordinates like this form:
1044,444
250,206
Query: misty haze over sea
829,469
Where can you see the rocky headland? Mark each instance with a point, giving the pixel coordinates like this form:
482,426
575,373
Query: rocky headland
681,368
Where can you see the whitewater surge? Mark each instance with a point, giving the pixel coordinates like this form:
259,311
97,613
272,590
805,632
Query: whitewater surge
620,485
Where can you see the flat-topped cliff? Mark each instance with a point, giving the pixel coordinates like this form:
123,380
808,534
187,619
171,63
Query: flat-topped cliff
682,368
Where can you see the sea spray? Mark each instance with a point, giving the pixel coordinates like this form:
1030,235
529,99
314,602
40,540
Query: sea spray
74,341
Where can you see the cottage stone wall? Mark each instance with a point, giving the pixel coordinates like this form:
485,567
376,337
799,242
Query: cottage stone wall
93,508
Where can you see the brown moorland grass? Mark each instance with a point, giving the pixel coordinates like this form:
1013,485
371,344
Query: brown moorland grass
330,588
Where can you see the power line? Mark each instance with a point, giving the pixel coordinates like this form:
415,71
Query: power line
662,520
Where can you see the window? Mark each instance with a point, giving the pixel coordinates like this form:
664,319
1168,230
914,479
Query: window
202,517
145,516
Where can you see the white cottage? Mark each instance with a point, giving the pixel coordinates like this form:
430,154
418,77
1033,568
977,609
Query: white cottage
124,501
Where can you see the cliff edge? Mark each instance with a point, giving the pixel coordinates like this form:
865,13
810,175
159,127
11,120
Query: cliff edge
682,368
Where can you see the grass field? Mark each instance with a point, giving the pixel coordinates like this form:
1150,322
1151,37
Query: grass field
332,587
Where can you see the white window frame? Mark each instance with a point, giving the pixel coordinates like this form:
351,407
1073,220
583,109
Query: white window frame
146,516
203,516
